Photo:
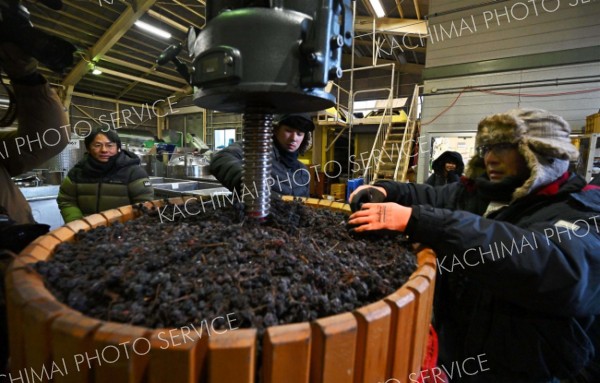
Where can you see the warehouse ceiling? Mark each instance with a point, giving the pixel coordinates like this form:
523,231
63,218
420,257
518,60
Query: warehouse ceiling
105,33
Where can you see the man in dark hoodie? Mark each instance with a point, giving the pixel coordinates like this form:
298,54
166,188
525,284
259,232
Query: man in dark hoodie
447,168
106,178
517,244
292,135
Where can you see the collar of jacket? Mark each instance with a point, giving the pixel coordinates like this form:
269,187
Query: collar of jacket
554,187
122,159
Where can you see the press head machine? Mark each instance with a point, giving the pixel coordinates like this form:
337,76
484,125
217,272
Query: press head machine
260,58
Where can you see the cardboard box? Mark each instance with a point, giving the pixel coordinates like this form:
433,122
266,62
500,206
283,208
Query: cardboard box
592,124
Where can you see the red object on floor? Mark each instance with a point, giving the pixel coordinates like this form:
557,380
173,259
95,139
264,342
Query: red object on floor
430,373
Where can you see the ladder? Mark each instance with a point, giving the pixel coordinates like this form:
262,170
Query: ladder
409,133
392,150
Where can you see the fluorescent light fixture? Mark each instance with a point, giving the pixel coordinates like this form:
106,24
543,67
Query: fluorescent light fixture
152,29
94,69
376,4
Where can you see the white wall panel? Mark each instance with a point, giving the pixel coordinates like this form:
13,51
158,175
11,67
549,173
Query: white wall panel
471,107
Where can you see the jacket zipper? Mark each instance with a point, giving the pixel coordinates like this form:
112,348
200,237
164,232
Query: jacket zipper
98,197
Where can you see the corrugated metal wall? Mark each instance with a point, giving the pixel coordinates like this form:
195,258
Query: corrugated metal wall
541,54
508,29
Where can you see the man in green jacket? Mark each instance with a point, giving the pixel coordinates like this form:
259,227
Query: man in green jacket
106,178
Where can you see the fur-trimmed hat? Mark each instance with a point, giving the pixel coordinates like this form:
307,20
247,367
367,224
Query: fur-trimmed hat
542,138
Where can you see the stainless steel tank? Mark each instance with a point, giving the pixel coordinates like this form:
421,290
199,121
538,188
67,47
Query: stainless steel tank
188,166
55,169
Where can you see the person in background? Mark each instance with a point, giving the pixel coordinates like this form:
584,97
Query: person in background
292,136
106,178
447,168
517,244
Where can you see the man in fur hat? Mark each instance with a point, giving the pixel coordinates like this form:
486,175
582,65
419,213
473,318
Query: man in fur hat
292,136
518,251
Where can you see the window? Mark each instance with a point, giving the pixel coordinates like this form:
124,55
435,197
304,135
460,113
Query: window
224,138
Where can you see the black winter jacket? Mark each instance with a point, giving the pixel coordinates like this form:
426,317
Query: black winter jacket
292,178
521,286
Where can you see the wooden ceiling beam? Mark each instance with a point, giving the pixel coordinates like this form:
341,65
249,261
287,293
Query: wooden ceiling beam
399,5
136,78
391,26
150,71
96,15
417,9
178,16
70,26
190,10
162,18
107,99
109,39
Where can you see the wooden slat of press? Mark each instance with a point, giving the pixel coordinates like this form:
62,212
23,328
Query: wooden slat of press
314,202
149,205
426,256
158,203
78,225
373,338
128,213
427,272
286,354
35,252
333,349
176,200
419,286
64,234
125,366
37,319
339,206
403,306
176,356
47,241
112,216
231,357
21,287
95,220
72,341
325,203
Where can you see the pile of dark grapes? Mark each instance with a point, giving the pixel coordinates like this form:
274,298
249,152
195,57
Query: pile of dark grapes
299,265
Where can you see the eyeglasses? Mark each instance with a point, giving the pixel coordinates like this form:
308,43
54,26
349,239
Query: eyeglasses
499,148
99,145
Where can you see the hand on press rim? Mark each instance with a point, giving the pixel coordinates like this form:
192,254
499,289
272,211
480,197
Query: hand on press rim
379,216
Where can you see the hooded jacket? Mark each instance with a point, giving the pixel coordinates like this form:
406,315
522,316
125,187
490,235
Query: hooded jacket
519,284
439,178
92,187
522,285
